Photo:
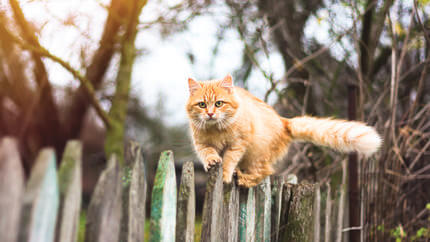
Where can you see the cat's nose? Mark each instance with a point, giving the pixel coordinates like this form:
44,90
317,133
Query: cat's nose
211,114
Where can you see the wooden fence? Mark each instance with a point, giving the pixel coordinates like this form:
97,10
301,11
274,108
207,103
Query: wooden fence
47,206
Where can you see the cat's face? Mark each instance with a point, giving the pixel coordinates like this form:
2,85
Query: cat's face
211,102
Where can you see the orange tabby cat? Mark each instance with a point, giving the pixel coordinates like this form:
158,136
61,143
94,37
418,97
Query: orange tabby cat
231,126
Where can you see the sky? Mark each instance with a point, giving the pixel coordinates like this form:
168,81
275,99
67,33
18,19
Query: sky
161,72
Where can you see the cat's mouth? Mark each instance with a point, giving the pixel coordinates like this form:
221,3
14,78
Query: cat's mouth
211,120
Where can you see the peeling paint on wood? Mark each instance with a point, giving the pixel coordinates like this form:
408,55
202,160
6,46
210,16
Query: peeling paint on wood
263,204
40,201
247,215
163,207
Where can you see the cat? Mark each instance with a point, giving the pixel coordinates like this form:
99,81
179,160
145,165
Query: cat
230,125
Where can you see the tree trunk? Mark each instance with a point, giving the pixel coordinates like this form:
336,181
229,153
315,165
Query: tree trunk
115,134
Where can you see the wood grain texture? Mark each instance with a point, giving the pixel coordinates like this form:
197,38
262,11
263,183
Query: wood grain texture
277,185
263,204
104,211
163,203
230,214
41,200
70,184
247,215
212,207
11,189
297,216
134,194
185,216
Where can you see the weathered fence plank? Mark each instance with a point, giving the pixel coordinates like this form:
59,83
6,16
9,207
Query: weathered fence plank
133,195
212,207
297,213
277,185
104,212
186,205
317,213
328,214
11,189
41,200
247,215
263,203
163,207
70,184
230,214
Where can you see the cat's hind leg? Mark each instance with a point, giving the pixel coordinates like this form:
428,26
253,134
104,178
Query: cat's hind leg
252,177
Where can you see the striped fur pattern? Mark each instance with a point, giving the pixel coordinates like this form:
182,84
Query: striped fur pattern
230,125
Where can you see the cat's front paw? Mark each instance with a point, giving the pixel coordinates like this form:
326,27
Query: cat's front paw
211,161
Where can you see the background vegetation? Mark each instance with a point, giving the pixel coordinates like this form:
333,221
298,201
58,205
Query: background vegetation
365,60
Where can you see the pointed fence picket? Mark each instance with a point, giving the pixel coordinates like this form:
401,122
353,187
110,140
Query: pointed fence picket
48,208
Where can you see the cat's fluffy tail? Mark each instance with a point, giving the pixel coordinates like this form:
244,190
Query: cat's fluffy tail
342,135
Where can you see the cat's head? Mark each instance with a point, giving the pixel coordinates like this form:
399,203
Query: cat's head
212,103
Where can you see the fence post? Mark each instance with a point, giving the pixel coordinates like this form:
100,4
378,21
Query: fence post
70,183
297,213
133,195
230,213
186,205
11,189
263,205
277,185
247,215
40,201
104,211
163,204
212,208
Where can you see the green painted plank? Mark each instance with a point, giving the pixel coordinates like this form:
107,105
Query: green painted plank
186,205
212,207
41,200
163,203
104,211
247,215
263,202
230,213
297,213
11,189
70,184
134,194
277,185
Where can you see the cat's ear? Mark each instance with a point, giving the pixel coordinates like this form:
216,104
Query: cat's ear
193,85
227,83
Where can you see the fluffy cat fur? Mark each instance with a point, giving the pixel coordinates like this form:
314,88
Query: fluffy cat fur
230,125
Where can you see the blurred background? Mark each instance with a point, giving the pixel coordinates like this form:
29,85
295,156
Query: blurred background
106,71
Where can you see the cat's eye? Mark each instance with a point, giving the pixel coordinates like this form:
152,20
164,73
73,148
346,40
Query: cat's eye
218,104
201,104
